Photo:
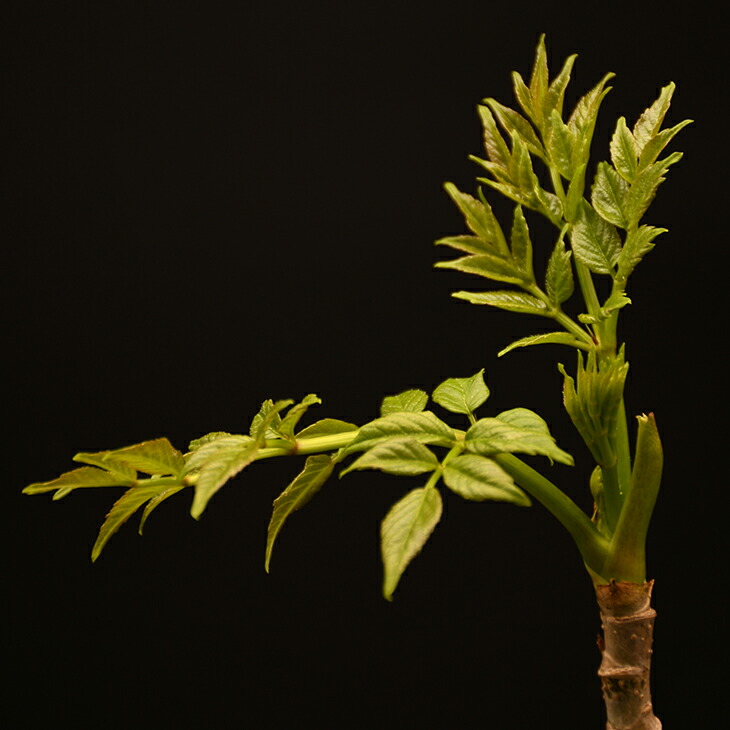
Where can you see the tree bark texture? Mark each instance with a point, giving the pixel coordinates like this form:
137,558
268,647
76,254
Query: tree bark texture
627,619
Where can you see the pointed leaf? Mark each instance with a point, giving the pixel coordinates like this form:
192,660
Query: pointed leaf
508,300
515,431
403,456
410,401
326,427
494,144
155,502
291,419
549,338
478,216
608,195
522,245
218,462
424,427
462,395
478,478
522,94
490,267
317,469
595,242
559,141
121,511
468,244
268,414
651,120
125,472
556,91
404,532
584,115
158,457
197,443
656,144
644,187
539,81
514,122
85,476
559,274
638,243
623,151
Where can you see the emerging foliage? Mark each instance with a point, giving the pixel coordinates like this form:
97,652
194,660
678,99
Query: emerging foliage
538,157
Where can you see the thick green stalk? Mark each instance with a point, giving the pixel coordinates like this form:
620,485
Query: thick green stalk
627,555
592,545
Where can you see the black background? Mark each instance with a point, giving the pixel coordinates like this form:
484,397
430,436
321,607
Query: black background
217,204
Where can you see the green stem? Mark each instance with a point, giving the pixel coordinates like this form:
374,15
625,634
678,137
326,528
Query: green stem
592,545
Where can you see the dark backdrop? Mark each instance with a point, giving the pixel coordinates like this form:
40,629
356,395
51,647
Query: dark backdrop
219,204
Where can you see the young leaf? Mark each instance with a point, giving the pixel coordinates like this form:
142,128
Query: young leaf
424,427
556,91
514,123
326,427
608,195
197,443
121,511
651,120
623,151
549,338
509,300
522,94
291,419
488,266
155,502
656,144
478,216
469,244
559,274
462,395
158,457
317,469
411,401
494,143
403,456
539,81
522,246
219,461
644,187
595,242
85,476
478,478
404,532
583,118
560,143
515,431
269,414
638,243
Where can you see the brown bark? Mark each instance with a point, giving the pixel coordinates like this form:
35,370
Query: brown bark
627,620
